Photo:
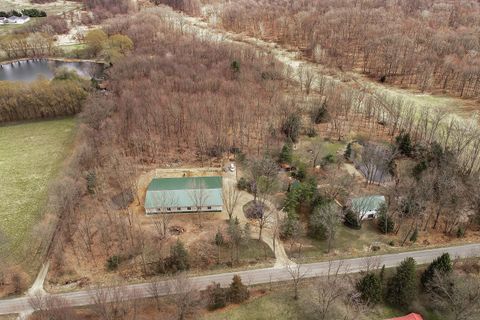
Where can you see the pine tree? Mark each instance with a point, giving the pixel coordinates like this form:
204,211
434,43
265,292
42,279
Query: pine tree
238,292
442,265
370,287
178,260
351,219
404,143
286,153
414,236
217,297
402,288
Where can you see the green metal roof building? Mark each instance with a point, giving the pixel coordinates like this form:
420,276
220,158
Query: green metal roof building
188,194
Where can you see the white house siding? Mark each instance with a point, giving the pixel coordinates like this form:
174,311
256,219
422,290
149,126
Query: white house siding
150,211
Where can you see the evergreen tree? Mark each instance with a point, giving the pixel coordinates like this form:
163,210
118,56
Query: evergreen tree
319,114
219,241
385,222
382,275
286,153
178,259
351,219
348,151
237,292
402,287
404,144
370,287
442,265
291,126
217,296
414,236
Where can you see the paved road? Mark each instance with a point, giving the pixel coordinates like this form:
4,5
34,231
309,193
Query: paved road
251,277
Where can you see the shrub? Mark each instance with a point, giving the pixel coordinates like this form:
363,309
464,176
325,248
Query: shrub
442,265
351,219
311,132
242,184
418,169
237,292
255,210
370,287
460,232
217,296
91,182
34,13
301,172
402,287
328,159
113,262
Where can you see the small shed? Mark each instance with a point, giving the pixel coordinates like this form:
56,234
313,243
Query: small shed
367,207
187,194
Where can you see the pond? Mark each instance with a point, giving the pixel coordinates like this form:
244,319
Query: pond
29,70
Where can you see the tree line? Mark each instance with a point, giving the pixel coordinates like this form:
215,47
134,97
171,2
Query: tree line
42,98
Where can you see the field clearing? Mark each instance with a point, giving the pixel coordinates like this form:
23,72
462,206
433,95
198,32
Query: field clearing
31,155
55,7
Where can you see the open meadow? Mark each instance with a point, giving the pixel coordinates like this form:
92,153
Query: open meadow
31,154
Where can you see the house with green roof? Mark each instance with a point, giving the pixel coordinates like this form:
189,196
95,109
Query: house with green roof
367,207
187,194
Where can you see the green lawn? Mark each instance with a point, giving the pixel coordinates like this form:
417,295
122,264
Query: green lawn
274,306
31,155
252,252
348,242
279,305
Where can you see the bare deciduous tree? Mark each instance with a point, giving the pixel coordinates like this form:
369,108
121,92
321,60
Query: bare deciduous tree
297,272
459,295
185,295
230,199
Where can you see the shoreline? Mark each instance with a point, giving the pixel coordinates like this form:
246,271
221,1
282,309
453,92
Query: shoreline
7,62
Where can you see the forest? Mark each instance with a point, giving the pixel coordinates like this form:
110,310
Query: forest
422,44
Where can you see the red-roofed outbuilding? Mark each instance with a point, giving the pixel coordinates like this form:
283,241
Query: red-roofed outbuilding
411,316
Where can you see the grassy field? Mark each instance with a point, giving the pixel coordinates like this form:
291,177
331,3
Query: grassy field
31,154
348,242
279,305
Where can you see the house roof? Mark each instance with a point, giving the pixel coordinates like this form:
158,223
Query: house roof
369,203
411,316
184,192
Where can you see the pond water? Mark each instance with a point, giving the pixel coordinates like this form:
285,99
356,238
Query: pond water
29,70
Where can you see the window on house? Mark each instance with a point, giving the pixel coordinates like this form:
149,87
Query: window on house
209,207
169,209
189,208
179,209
